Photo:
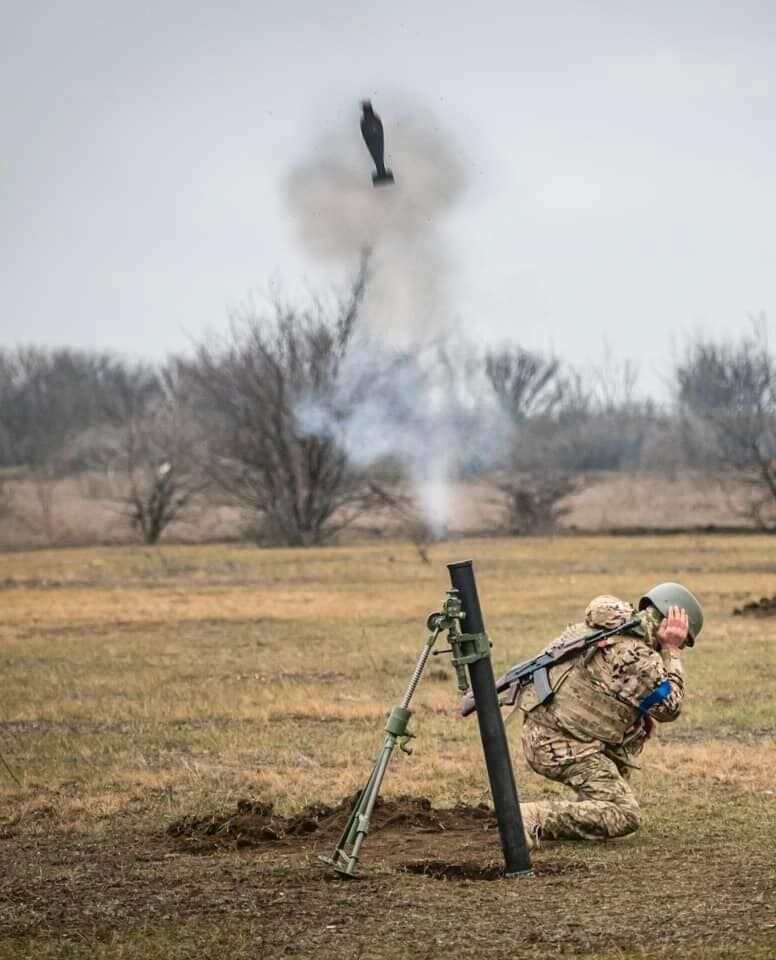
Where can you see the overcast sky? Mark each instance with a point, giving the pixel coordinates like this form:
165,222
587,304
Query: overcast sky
618,162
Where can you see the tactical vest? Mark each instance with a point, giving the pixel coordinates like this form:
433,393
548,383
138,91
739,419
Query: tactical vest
581,705
585,708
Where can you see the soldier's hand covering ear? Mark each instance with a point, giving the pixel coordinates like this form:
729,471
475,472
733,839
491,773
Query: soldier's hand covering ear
674,627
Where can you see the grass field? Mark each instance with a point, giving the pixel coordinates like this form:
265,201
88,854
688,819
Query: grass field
143,686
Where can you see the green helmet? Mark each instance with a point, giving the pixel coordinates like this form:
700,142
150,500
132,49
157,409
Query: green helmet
666,595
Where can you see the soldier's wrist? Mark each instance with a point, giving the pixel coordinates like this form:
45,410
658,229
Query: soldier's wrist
670,652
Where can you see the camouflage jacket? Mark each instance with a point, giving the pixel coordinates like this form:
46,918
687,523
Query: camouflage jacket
604,700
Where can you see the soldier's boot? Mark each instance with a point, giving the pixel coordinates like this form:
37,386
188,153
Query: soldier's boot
532,825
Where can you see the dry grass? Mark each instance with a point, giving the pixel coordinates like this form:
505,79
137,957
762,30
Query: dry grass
141,684
203,672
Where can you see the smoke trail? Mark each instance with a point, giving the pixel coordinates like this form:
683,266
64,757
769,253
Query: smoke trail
397,396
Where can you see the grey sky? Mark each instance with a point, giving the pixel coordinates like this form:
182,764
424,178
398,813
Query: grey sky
618,156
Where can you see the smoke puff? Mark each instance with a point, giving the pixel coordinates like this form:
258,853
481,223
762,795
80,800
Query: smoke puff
338,213
438,420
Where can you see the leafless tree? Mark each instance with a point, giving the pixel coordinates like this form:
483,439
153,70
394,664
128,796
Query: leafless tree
535,502
293,476
163,474
527,384
533,390
6,497
49,396
46,398
727,398
568,426
8,387
148,444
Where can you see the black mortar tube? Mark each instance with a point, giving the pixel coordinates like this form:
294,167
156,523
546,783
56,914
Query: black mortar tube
503,788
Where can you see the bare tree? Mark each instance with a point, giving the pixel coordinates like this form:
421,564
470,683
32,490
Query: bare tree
293,476
534,391
147,443
161,459
8,391
527,384
46,398
535,502
727,398
567,428
6,497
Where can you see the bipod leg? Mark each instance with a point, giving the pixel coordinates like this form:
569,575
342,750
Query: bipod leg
340,855
361,822
357,827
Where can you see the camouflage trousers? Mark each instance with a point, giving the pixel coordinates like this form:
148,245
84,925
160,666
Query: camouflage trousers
605,806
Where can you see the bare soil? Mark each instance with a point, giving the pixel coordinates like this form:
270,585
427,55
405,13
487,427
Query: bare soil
432,884
764,607
254,823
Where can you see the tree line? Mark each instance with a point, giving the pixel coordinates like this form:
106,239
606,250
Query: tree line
225,422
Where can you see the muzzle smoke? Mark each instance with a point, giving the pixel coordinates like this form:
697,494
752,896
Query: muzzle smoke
438,419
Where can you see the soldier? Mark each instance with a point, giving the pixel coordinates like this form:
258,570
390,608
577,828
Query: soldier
602,711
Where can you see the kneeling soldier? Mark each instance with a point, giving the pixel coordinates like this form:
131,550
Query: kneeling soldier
602,711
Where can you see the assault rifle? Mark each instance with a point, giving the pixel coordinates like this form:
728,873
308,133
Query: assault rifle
535,670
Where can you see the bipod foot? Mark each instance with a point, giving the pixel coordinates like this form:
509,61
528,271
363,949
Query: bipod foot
343,866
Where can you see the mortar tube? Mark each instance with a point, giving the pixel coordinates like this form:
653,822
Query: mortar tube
503,788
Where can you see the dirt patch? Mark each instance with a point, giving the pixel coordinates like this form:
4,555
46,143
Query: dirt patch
764,607
407,835
442,870
418,863
254,823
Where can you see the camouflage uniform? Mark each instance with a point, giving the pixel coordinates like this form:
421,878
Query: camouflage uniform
597,721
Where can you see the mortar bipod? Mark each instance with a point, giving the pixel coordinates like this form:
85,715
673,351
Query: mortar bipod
344,860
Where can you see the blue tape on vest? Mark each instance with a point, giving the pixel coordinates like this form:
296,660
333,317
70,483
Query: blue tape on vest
658,694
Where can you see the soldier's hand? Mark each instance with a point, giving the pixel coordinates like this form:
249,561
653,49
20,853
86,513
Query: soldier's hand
674,627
